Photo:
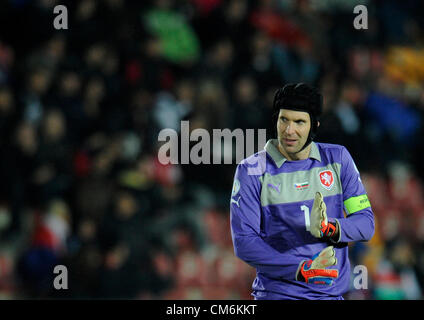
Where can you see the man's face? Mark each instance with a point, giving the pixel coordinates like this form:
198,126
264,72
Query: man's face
293,130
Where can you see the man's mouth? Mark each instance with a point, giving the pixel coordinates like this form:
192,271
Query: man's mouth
290,142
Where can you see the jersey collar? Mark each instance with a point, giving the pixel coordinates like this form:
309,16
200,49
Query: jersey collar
272,149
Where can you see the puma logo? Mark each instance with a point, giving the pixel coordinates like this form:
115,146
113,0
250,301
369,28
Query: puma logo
236,202
276,188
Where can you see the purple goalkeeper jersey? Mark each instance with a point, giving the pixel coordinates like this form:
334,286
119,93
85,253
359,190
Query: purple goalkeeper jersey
271,202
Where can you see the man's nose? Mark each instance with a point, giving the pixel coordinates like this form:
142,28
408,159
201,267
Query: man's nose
290,129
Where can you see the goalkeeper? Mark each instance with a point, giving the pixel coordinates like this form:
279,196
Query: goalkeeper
297,204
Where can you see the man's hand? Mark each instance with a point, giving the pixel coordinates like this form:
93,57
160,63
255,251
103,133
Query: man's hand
314,271
319,223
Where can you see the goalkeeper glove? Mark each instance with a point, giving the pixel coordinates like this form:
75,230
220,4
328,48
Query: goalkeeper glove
320,227
313,270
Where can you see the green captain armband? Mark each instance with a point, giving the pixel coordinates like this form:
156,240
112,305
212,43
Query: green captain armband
355,204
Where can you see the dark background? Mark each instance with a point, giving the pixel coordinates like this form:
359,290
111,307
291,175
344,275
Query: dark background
81,110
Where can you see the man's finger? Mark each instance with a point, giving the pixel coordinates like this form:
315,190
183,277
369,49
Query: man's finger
318,197
327,258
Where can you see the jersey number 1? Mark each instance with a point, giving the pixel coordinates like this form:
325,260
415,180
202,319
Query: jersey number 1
305,210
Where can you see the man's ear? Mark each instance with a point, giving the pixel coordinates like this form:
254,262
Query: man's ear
318,124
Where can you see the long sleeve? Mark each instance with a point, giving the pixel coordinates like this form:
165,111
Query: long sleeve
246,229
359,223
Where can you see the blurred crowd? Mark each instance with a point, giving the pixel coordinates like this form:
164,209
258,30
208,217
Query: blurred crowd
81,109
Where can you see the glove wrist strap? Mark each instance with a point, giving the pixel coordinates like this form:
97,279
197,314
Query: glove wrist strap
329,231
